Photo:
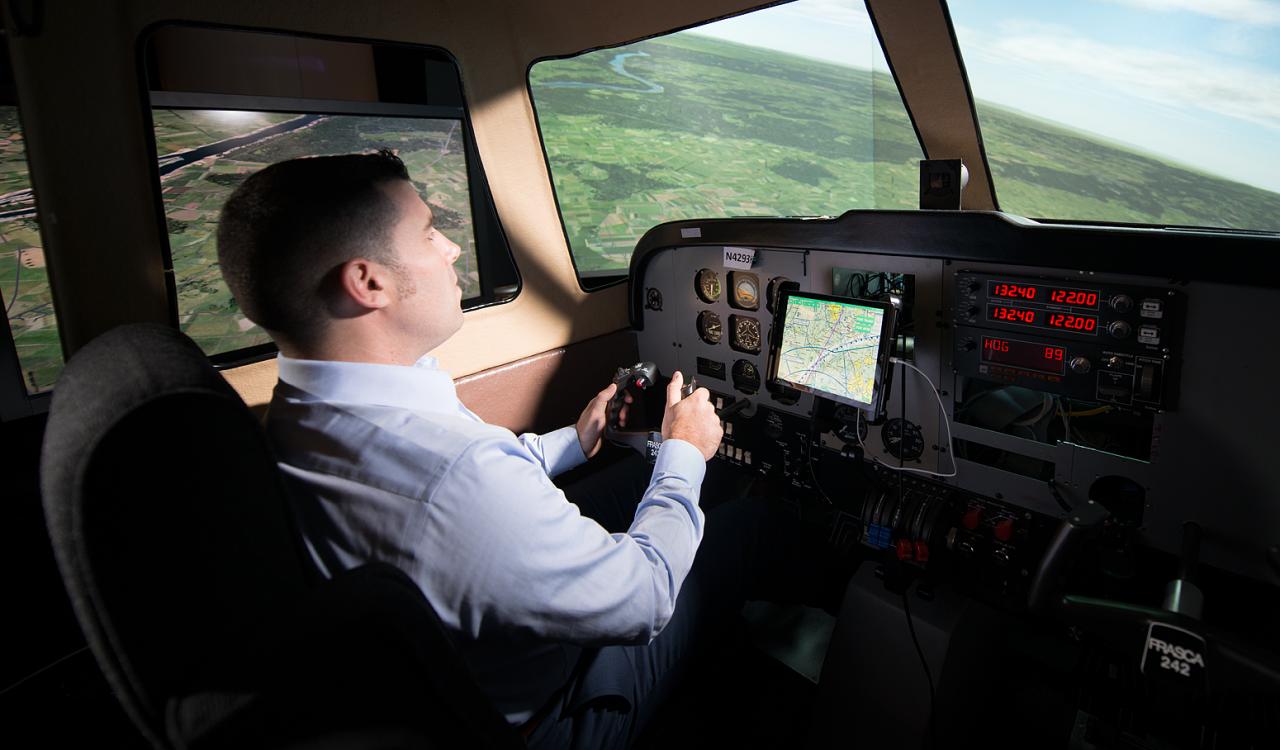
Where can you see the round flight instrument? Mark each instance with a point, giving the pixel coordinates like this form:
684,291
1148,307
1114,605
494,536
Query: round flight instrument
709,328
851,426
746,290
707,284
903,439
744,334
746,377
773,292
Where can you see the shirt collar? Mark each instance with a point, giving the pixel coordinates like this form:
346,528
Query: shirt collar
422,386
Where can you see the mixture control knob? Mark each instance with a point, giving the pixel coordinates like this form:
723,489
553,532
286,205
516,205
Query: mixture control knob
1121,303
1120,329
1080,365
972,518
1003,529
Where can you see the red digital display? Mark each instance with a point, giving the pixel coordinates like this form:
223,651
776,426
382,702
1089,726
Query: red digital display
1034,316
1044,294
1013,291
1024,315
1067,321
1077,297
1024,354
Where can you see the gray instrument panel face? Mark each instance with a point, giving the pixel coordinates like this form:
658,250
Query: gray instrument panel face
1210,459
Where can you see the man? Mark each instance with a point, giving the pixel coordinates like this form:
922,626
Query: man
338,259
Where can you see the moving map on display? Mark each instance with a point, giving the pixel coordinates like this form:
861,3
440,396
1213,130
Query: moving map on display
831,347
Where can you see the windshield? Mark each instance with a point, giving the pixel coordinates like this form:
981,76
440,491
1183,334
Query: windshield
1141,111
789,110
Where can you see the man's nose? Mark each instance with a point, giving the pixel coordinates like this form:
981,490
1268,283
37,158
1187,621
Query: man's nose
454,250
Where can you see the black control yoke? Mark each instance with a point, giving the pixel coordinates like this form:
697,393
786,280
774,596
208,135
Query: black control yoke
643,430
643,433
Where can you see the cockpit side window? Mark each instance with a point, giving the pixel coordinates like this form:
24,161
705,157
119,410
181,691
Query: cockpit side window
31,357
278,97
786,111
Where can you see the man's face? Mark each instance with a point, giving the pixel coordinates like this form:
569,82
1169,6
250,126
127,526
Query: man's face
428,306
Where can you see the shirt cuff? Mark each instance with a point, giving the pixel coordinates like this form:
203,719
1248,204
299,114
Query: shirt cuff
562,450
679,457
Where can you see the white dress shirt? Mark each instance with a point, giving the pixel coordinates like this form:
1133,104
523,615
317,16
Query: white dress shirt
397,469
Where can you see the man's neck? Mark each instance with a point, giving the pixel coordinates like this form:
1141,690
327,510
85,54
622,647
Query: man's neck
373,347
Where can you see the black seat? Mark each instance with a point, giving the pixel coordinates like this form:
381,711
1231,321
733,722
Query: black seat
171,526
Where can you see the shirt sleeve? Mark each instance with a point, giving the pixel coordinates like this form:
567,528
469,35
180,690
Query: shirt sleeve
557,451
523,557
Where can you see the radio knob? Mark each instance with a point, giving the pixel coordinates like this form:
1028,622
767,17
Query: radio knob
974,286
969,345
1121,303
973,311
1120,329
1080,365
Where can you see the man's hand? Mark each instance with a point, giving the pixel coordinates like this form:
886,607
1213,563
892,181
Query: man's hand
591,424
692,419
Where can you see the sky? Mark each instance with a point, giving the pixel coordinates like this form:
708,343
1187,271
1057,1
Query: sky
1194,81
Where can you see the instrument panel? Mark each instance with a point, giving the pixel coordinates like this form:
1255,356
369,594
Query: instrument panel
1052,378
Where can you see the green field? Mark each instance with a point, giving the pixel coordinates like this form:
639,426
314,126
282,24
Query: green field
734,131
713,128
24,285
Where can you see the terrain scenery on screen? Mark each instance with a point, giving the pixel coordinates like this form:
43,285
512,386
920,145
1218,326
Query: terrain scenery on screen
831,347
205,154
688,126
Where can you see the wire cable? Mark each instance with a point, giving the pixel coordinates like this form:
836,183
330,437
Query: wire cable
928,673
814,436
946,420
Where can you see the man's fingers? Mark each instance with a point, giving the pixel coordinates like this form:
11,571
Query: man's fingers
608,392
701,394
673,388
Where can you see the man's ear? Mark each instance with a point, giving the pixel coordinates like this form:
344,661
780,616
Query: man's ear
366,283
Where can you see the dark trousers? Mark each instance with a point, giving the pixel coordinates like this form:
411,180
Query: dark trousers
751,548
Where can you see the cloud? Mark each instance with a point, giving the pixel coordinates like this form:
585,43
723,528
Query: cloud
838,12
1182,81
1254,12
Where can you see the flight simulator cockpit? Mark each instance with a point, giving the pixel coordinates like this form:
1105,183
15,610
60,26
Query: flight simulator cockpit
1056,524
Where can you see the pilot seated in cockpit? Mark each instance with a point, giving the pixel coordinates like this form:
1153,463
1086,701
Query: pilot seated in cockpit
574,632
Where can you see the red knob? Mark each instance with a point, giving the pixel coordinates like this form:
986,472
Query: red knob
904,549
922,551
1004,529
972,518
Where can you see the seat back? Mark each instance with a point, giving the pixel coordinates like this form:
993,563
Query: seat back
171,525
168,519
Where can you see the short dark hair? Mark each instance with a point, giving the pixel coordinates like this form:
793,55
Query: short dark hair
285,230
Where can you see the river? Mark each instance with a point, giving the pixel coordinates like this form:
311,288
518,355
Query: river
619,65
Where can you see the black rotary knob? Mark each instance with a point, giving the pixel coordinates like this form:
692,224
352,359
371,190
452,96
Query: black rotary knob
1121,303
